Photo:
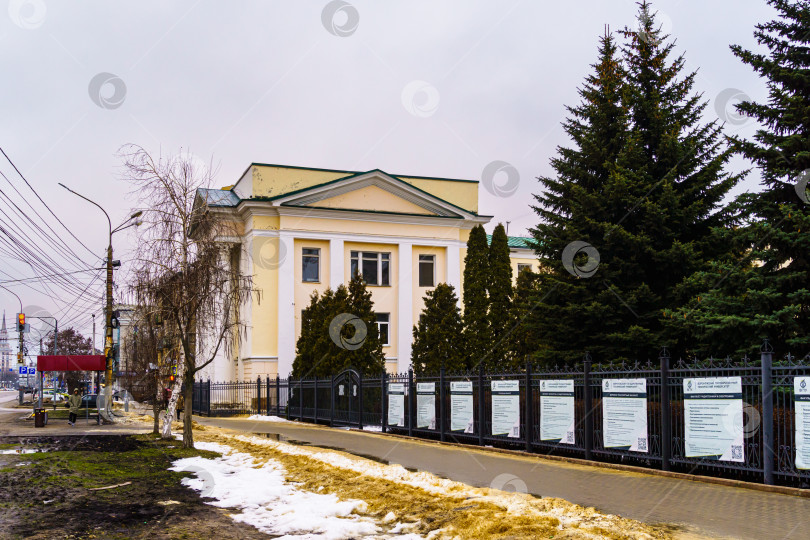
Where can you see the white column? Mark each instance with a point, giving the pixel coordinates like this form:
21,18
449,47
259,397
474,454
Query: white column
454,268
336,263
286,305
405,307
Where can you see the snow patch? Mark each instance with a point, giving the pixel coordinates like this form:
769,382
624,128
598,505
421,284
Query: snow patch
263,418
267,501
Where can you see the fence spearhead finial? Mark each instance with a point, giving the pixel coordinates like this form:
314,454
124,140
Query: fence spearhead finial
766,346
664,353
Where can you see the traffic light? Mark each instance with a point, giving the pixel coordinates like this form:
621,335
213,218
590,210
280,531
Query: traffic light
19,358
20,322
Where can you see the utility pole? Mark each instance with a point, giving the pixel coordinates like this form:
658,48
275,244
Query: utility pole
108,340
94,334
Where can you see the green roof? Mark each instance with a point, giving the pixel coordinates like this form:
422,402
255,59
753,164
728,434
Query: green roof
517,242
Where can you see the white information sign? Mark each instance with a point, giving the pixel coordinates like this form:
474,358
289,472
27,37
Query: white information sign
557,411
426,405
801,396
713,417
624,414
396,404
506,408
461,406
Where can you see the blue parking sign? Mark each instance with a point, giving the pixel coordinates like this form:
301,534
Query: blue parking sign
23,370
32,370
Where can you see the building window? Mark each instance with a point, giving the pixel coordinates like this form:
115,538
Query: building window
427,270
522,267
373,266
383,323
311,265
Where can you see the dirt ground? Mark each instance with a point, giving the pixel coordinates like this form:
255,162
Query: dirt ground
50,494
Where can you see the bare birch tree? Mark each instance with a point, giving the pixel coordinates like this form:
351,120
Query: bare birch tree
184,261
143,351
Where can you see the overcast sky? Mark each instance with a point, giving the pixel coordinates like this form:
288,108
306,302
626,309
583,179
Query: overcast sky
418,88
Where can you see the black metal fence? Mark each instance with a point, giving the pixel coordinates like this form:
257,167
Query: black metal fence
350,399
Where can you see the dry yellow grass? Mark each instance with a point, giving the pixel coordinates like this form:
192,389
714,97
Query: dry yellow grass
451,510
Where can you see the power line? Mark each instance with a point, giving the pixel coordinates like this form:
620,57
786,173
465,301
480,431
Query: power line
43,202
50,276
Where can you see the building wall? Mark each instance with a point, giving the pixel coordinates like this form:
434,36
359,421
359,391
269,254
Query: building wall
273,180
368,218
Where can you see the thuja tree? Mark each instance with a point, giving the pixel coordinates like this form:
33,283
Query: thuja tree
499,287
437,333
477,334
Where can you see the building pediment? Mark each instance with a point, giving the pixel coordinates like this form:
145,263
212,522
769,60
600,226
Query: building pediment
373,191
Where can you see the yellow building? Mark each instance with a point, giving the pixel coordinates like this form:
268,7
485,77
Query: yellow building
305,229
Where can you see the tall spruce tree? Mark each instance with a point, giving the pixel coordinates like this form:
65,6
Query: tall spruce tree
648,207
573,206
764,293
671,173
477,334
499,287
436,335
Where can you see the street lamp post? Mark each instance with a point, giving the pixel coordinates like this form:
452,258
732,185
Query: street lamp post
108,339
55,341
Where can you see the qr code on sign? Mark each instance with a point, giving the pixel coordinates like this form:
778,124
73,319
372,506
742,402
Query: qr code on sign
642,444
736,451
569,437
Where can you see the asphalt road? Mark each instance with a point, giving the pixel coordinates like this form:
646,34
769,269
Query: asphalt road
697,507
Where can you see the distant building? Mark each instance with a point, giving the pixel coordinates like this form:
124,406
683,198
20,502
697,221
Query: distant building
120,336
303,230
6,366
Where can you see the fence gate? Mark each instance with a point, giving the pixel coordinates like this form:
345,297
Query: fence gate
347,398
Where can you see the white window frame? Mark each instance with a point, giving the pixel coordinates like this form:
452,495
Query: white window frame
361,256
386,323
521,266
318,257
419,269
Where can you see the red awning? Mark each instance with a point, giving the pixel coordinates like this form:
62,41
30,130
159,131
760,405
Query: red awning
90,362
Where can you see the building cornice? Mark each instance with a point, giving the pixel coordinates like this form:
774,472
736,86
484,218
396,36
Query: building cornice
359,215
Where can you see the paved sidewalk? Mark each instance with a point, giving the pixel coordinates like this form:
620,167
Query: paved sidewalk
694,507
12,423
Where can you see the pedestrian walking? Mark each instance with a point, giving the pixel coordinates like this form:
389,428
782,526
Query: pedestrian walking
74,402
